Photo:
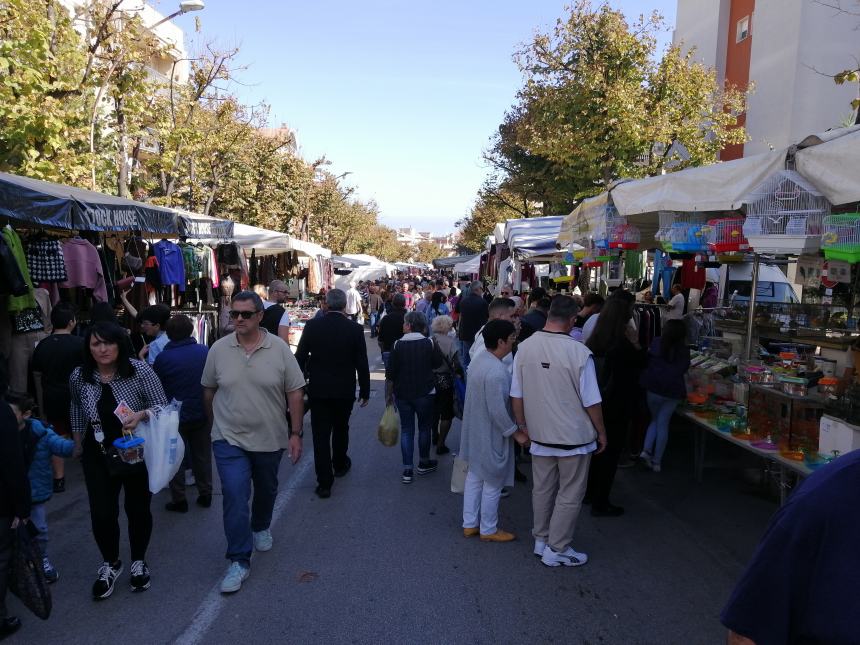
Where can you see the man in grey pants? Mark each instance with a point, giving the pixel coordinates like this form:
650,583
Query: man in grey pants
556,401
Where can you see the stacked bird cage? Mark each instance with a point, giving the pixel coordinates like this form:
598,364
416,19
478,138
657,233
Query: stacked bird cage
726,235
689,233
623,235
664,234
841,238
785,215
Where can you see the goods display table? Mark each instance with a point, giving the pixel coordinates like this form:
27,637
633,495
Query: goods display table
704,427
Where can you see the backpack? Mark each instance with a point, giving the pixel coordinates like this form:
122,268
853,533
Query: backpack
272,319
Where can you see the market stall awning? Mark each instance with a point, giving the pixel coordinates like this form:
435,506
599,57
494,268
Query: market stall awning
45,203
308,248
534,236
833,165
717,187
472,265
198,226
577,224
449,263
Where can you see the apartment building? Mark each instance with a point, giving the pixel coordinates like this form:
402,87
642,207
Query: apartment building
785,49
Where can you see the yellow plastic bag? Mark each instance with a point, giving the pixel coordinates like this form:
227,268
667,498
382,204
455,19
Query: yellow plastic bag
389,427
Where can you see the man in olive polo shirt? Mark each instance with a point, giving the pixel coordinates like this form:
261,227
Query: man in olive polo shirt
250,379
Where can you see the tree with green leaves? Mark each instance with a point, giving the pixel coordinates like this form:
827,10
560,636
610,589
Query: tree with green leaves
598,103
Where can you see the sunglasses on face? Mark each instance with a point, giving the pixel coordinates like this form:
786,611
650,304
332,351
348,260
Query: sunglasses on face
246,315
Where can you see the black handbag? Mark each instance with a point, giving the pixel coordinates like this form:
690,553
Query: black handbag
26,575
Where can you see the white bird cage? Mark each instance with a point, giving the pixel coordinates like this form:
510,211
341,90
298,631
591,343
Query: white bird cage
785,214
841,237
623,235
726,235
663,234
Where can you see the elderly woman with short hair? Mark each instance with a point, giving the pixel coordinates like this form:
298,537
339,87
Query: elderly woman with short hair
443,412
410,377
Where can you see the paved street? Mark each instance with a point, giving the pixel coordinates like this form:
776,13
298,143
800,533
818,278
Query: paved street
381,562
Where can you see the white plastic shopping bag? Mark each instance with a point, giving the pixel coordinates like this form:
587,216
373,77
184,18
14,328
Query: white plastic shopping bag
163,449
458,475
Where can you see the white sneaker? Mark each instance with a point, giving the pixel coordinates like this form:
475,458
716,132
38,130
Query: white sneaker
647,457
567,558
263,540
655,467
234,578
540,547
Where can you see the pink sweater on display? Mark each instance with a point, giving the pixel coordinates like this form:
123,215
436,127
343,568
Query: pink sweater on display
84,268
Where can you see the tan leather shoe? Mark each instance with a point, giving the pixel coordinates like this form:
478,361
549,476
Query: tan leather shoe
498,536
471,531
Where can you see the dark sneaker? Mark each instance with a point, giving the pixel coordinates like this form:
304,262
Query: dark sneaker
108,573
51,574
428,466
323,492
9,626
60,485
205,501
442,450
177,507
139,576
406,478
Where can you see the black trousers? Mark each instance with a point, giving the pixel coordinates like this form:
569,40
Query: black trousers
198,449
330,428
103,491
7,535
601,474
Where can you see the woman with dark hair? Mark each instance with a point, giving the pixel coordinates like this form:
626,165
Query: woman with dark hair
617,359
438,307
111,394
668,361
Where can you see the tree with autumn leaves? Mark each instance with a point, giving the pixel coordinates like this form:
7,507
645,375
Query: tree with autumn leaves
599,104
80,106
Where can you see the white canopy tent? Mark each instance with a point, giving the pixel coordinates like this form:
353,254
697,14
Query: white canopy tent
832,164
365,267
533,237
265,242
471,266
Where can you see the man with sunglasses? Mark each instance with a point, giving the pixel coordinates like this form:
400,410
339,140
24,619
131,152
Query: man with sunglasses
250,382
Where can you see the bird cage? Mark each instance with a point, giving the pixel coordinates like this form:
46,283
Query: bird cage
785,215
688,233
726,235
623,235
663,234
841,238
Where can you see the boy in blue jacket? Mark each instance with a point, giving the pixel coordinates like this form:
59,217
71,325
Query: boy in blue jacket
40,444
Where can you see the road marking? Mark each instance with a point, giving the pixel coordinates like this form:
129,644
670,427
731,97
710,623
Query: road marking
214,602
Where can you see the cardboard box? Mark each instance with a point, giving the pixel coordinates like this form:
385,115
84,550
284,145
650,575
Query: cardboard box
837,435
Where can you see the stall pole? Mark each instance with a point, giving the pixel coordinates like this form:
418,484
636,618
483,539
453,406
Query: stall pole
751,312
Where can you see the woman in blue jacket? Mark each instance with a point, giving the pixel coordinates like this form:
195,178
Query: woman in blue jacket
40,444
668,361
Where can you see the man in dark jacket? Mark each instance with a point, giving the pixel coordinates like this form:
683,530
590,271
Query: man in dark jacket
276,320
474,313
535,319
391,327
180,368
331,351
14,504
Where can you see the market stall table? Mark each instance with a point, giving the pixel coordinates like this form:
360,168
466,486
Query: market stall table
785,465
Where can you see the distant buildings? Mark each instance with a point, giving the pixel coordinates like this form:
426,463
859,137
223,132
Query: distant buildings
448,242
785,48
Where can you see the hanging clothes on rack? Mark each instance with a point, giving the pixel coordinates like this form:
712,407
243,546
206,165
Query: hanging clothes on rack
26,300
45,260
171,265
11,279
84,268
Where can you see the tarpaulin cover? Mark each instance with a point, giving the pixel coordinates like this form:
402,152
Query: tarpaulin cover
472,265
833,166
48,204
198,226
533,236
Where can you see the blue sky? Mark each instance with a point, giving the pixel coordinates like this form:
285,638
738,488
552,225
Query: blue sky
403,95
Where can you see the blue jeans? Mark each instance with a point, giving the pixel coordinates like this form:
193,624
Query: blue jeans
385,357
39,518
465,346
408,408
374,321
661,409
237,468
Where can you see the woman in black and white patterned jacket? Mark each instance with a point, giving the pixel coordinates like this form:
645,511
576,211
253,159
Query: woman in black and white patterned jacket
113,392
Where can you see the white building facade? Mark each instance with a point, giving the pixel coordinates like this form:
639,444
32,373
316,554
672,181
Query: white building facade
788,51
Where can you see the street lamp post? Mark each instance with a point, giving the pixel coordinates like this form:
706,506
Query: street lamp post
186,6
